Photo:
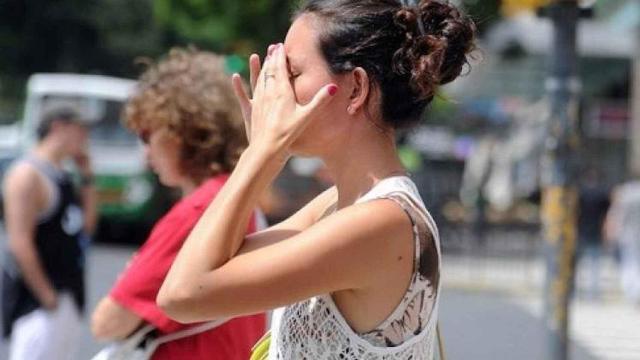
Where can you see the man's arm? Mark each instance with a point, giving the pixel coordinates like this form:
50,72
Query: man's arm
89,207
23,194
88,195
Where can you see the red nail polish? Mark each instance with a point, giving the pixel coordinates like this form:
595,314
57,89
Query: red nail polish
333,89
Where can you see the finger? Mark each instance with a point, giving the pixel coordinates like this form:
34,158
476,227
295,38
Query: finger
269,64
267,78
239,90
270,49
258,90
245,103
321,99
254,70
281,70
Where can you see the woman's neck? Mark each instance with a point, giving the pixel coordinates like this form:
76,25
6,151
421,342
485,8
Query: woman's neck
187,186
361,163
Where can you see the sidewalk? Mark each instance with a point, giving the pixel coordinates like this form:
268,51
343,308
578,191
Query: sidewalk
606,328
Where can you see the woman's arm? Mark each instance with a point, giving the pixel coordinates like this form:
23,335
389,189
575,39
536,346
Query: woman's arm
111,321
355,248
211,278
219,233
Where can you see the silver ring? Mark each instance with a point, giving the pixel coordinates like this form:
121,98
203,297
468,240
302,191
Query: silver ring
267,77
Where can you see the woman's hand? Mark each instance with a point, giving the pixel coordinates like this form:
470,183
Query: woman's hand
277,120
241,94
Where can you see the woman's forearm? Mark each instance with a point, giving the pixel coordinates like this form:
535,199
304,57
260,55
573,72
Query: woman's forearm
111,321
220,232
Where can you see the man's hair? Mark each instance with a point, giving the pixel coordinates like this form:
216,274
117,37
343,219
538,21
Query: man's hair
57,113
189,93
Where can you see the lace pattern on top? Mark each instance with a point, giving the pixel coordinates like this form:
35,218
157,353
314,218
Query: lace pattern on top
315,328
411,315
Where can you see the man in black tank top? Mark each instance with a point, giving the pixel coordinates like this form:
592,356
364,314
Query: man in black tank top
47,222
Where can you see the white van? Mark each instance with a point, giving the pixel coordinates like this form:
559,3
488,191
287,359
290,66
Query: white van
127,191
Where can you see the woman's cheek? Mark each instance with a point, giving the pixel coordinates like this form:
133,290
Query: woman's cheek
303,90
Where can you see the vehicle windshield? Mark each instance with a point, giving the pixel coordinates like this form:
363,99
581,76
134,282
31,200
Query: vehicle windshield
106,115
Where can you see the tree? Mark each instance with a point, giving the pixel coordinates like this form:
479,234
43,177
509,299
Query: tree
483,12
84,36
234,26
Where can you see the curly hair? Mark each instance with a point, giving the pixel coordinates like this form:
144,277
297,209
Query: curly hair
408,49
189,94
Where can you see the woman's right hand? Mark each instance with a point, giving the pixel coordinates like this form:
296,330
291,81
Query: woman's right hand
245,101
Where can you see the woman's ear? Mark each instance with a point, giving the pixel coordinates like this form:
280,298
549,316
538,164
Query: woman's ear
360,92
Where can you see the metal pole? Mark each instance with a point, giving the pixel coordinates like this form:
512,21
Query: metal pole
634,139
560,196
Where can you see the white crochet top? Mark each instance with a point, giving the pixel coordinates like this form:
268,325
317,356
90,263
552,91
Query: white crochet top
315,329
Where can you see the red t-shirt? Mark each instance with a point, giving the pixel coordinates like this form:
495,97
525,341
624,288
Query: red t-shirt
138,286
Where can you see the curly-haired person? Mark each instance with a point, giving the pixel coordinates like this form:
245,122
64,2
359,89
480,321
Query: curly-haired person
185,113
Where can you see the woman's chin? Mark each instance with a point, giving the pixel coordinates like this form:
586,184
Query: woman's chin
166,181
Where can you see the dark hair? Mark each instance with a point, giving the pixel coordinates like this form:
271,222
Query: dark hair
408,51
56,113
189,93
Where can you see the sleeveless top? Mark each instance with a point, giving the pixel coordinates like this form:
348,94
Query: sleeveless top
58,239
315,328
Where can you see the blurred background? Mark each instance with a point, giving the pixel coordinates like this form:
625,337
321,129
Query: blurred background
475,158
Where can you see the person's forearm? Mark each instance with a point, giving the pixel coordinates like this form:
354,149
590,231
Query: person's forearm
220,232
89,200
34,275
111,321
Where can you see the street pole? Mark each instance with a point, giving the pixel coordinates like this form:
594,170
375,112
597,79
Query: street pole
560,195
634,139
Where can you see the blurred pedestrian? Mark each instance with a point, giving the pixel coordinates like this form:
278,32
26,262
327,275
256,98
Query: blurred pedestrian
357,269
192,129
43,289
593,202
622,226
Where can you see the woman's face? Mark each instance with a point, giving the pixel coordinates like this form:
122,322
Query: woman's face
162,151
309,73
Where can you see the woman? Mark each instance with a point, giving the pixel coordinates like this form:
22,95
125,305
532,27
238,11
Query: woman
357,269
186,116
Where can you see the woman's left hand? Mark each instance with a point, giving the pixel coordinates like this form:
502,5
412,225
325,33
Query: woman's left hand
277,120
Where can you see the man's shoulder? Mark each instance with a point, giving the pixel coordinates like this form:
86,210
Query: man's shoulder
22,175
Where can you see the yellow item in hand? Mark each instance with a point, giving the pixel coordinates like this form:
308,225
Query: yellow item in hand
260,350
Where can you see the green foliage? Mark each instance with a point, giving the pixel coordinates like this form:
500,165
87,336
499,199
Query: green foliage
85,36
234,26
483,12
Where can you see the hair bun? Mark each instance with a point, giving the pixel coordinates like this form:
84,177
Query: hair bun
435,53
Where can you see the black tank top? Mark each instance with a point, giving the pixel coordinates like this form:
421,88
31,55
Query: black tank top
58,238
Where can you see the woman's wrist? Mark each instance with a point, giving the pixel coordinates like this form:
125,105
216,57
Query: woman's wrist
268,157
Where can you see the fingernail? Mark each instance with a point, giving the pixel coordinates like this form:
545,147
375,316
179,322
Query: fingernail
333,89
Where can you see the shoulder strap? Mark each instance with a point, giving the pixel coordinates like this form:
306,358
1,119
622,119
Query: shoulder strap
188,332
440,343
46,169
